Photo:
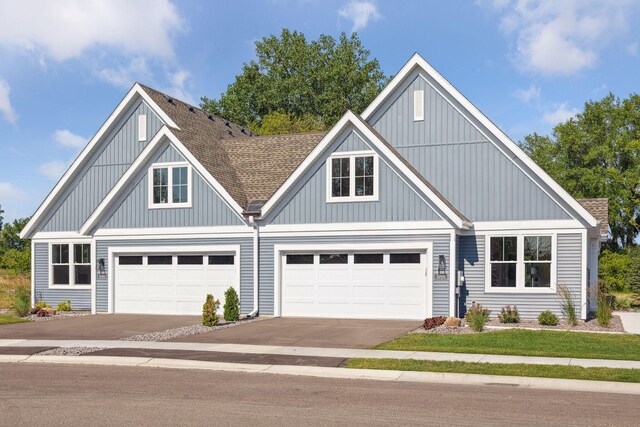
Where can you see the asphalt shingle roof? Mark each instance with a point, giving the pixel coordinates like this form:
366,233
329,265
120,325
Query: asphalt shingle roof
599,208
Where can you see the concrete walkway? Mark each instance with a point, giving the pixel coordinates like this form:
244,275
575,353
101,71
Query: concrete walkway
344,353
630,321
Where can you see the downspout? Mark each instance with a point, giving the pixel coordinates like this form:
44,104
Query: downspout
256,260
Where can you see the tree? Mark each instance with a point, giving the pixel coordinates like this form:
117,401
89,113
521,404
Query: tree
597,154
1,217
311,82
10,236
277,123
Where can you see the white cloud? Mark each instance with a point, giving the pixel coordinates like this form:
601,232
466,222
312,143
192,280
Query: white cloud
560,115
53,170
532,93
125,76
561,37
68,139
9,192
360,13
65,29
179,87
5,103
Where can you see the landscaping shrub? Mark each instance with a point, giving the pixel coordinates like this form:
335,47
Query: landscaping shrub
568,305
231,305
432,322
477,317
509,314
210,311
64,306
22,300
621,302
547,318
42,304
603,311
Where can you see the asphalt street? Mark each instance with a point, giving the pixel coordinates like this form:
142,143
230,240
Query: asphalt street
52,395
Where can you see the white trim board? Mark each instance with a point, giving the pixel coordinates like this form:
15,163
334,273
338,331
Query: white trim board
417,61
135,93
350,119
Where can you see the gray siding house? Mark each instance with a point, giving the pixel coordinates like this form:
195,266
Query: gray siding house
418,207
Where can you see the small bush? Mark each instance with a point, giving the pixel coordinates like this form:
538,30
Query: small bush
509,314
210,311
64,306
433,322
568,305
231,305
42,304
621,303
22,300
477,317
603,311
547,318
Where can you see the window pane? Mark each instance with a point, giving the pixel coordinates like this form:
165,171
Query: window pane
544,248
335,187
60,274
367,259
537,274
497,249
530,248
159,260
333,258
503,275
359,186
359,166
55,254
161,176
189,259
368,186
368,166
344,187
345,166
130,260
82,253
404,258
510,248
299,259
83,274
221,259
335,168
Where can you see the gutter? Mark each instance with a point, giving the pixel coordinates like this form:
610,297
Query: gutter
256,260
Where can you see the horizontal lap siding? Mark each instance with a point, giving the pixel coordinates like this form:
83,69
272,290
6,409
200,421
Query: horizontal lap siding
267,269
569,273
246,263
80,298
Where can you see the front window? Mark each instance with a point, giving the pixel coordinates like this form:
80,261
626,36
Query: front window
70,264
170,186
352,177
537,261
504,258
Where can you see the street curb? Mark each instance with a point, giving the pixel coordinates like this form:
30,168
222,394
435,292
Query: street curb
341,373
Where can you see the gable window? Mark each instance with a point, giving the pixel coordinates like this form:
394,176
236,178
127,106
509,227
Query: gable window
352,177
170,185
418,105
70,264
520,263
142,127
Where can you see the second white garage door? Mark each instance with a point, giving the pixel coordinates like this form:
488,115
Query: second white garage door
380,285
172,283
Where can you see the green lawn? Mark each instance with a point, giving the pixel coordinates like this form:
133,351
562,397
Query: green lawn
521,370
9,282
7,319
525,343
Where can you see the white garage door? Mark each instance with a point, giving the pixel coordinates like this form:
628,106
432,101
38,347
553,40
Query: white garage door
378,285
172,283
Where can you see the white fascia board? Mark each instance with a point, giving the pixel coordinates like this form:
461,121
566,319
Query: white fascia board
168,231
350,118
417,61
570,224
358,226
132,96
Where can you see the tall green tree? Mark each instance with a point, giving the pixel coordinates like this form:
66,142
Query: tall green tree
1,217
597,154
310,81
10,236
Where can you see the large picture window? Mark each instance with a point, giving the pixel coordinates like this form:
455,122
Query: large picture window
70,264
169,186
352,177
520,263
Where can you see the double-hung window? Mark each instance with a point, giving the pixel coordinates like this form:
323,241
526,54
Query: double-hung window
520,263
170,185
70,264
352,177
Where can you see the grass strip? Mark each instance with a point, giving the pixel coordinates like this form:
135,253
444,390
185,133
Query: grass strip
519,370
7,319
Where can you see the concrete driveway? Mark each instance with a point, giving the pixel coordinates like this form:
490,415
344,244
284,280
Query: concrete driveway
97,327
304,332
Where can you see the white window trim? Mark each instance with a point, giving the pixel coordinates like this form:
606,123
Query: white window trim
418,101
520,264
72,276
170,166
352,177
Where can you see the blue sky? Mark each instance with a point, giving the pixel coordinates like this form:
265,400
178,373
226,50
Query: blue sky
65,65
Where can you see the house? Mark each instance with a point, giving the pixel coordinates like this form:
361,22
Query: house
415,208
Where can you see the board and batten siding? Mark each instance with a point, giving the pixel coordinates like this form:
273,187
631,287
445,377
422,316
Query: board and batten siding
80,298
471,260
452,154
105,167
207,207
397,200
441,243
246,263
